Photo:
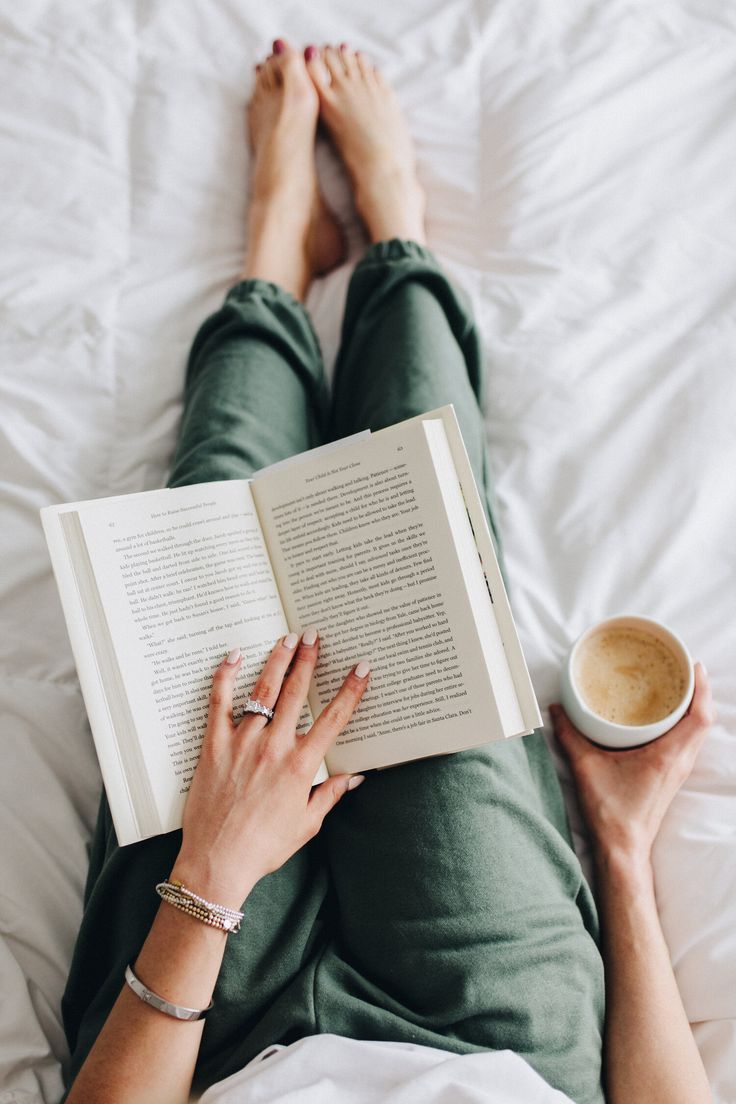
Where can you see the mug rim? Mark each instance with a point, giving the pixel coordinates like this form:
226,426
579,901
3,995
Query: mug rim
674,713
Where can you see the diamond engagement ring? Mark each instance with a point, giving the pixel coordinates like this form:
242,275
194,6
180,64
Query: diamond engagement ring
254,706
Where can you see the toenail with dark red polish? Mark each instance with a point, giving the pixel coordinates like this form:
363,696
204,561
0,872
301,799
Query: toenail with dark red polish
310,52
279,45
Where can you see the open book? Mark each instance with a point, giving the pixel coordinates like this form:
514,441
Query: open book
380,541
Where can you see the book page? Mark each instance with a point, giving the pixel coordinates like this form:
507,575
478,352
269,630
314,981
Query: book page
183,577
524,694
362,548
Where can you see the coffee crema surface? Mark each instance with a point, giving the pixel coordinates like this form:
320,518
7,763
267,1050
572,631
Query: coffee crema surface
628,676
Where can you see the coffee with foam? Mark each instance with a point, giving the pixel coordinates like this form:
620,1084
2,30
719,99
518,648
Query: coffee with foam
629,676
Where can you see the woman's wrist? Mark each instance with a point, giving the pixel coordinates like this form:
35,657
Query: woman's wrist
206,878
181,958
623,865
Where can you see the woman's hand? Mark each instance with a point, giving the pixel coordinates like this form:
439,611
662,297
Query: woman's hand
251,804
624,795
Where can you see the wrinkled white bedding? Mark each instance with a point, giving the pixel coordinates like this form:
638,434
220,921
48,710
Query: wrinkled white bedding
329,1069
578,163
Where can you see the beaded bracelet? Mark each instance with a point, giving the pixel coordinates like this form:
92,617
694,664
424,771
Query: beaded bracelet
217,916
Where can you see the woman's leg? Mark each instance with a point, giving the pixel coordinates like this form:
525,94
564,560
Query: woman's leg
254,394
464,917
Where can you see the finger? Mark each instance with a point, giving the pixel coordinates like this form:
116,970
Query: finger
296,685
572,742
336,716
701,705
700,715
326,796
221,694
268,684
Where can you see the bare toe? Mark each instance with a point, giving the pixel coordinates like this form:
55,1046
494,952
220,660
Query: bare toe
334,64
270,73
317,69
366,69
288,63
349,59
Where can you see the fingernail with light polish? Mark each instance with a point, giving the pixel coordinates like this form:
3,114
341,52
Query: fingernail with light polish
233,657
309,636
290,641
355,781
363,668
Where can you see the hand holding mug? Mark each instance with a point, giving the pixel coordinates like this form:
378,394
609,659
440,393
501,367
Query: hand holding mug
624,795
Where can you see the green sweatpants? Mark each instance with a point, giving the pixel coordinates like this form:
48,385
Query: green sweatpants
442,902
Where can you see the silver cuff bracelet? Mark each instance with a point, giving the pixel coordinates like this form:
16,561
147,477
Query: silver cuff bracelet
149,997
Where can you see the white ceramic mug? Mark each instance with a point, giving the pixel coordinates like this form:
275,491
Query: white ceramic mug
600,729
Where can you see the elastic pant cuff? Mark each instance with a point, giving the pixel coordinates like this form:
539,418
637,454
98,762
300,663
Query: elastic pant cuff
397,249
262,289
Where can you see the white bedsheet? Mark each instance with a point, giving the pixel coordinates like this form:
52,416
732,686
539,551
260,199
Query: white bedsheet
329,1069
578,162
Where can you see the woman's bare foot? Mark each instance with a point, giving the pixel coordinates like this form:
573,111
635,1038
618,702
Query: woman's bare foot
292,234
368,127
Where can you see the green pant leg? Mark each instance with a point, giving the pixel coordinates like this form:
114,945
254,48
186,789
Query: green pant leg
464,917
255,390
254,393
409,344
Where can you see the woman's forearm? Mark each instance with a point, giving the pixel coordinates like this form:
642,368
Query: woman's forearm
251,805
650,1054
143,1056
